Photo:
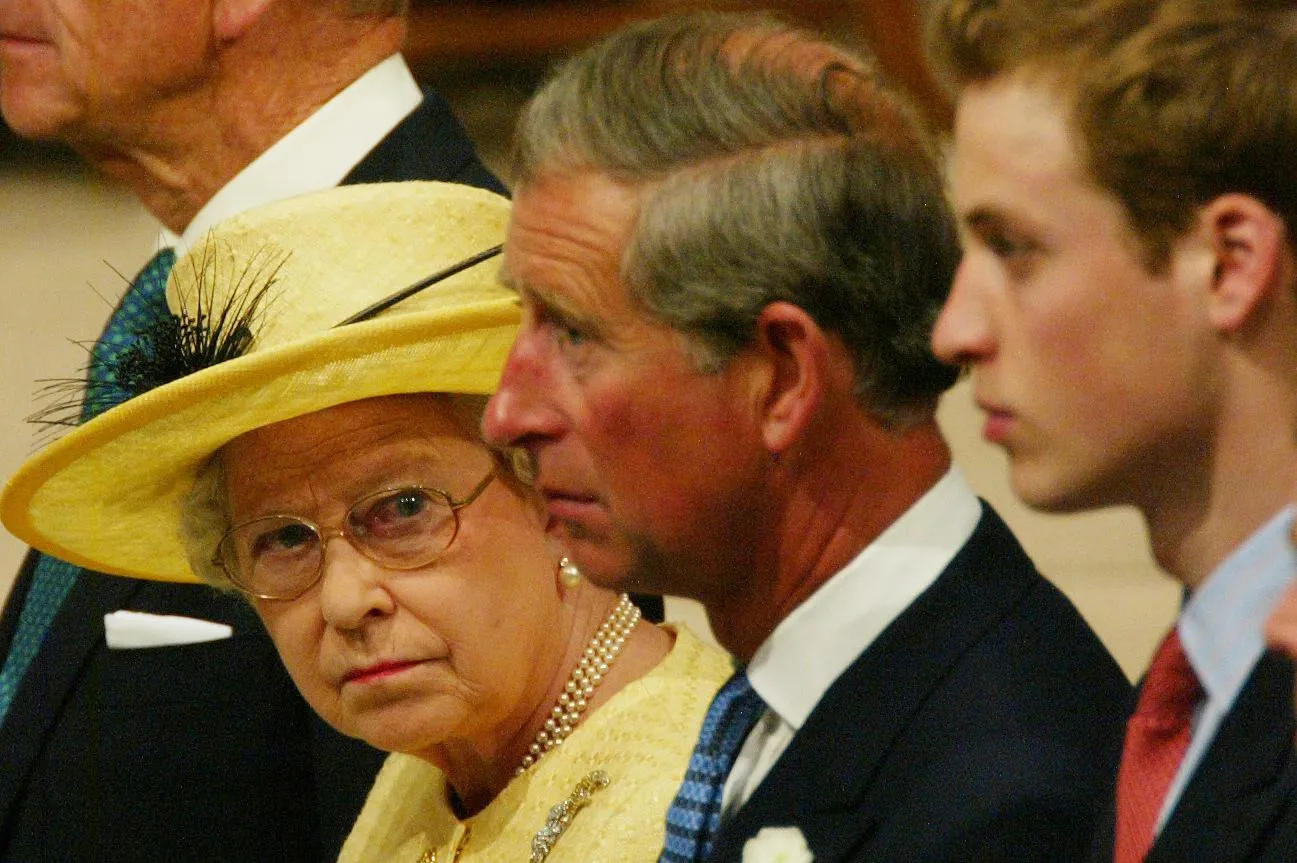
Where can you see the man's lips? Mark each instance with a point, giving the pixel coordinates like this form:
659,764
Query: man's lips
379,671
999,422
17,33
18,48
564,505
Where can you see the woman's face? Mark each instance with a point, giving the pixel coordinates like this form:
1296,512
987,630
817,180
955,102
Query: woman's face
409,660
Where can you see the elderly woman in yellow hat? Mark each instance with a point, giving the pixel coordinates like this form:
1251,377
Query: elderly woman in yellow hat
328,465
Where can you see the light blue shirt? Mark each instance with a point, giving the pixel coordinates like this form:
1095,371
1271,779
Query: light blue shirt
1222,628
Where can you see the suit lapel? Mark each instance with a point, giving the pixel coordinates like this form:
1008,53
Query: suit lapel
1239,790
76,631
875,700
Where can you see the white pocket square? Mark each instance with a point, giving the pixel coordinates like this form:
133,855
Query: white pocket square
127,630
777,845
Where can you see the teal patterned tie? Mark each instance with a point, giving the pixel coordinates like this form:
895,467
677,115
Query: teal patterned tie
53,579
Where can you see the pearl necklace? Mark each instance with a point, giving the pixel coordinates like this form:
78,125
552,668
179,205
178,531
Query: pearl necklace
589,672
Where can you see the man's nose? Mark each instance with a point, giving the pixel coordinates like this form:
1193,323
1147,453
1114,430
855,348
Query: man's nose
524,408
961,335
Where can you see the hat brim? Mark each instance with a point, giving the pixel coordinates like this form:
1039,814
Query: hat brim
108,495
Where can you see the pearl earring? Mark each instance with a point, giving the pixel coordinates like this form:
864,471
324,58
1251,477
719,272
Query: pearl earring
568,573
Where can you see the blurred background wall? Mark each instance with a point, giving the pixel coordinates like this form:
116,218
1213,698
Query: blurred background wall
67,238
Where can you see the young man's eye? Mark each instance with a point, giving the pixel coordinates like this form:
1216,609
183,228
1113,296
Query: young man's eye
1018,255
1007,247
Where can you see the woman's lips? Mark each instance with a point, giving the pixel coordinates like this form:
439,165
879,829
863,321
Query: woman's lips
379,671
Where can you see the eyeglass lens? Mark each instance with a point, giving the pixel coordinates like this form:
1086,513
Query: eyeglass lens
281,556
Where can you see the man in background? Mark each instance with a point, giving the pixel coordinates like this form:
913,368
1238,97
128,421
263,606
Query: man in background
189,748
1127,302
731,242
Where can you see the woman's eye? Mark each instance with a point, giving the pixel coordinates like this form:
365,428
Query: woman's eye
408,504
282,540
396,511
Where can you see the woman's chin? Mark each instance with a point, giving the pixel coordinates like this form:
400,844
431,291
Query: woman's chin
411,728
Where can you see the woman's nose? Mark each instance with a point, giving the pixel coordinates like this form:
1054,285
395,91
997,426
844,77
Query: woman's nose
353,588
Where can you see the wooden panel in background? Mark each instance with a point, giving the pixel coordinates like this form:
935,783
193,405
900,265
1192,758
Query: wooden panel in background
460,32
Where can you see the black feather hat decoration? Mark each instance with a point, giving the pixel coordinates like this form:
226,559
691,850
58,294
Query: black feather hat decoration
171,345
214,330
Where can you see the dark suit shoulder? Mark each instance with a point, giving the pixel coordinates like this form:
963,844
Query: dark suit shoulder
1241,802
429,144
982,725
177,752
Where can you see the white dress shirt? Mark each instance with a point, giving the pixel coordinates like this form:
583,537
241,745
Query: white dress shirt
318,153
824,635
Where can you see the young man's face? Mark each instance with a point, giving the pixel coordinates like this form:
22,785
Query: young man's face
1095,373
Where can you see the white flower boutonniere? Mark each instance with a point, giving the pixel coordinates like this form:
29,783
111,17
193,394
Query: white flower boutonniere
777,845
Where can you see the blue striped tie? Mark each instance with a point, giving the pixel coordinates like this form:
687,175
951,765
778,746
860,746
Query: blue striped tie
54,579
695,815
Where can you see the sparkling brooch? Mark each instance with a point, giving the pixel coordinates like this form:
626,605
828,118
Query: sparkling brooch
561,815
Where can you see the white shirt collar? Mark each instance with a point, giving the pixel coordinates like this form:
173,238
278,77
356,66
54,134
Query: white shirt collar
811,647
320,152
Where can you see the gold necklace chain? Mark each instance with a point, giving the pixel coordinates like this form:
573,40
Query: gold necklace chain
599,654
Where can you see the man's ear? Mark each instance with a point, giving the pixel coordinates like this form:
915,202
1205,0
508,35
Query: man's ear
1249,242
232,18
798,357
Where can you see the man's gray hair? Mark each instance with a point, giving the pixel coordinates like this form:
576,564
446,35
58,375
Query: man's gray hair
775,167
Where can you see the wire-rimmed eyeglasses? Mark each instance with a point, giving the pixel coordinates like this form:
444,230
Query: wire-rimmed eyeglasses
282,556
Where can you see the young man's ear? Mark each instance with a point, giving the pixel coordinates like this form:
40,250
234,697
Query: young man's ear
799,361
1250,246
232,18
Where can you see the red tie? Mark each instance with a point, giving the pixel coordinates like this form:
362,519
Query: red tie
1157,736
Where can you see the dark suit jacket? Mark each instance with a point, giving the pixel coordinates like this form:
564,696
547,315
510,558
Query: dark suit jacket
1241,803
198,753
980,726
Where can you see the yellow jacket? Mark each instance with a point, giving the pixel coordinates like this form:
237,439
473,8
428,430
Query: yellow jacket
641,739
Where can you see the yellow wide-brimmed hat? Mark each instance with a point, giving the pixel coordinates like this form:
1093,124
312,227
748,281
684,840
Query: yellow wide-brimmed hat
108,494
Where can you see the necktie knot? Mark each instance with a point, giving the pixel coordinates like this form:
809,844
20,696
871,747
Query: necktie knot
1171,689
695,815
